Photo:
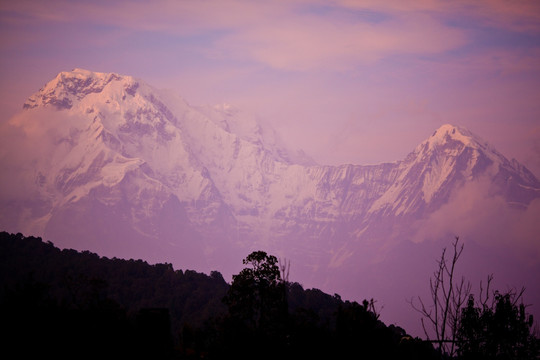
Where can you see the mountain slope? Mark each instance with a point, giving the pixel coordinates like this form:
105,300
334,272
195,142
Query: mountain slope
107,163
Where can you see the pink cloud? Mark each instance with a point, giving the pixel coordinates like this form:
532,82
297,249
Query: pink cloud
177,17
276,33
474,214
283,35
333,43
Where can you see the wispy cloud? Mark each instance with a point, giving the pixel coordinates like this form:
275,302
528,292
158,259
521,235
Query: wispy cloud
473,213
284,35
315,42
296,34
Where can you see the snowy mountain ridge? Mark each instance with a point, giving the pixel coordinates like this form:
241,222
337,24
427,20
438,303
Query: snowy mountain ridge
129,128
108,163
224,158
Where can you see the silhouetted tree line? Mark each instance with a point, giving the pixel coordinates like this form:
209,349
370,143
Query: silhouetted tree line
69,304
500,330
76,304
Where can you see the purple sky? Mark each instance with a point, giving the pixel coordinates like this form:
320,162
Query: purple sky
347,81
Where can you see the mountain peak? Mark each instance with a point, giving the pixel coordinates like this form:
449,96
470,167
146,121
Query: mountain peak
448,132
68,86
451,138
80,79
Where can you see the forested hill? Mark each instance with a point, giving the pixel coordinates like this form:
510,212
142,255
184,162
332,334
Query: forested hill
68,303
83,279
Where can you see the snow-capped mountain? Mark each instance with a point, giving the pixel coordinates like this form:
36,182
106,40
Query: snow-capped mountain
107,163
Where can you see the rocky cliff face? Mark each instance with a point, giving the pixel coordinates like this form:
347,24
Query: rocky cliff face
107,163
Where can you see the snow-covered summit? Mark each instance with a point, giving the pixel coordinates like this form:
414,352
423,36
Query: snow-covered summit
451,134
70,86
451,142
115,129
448,131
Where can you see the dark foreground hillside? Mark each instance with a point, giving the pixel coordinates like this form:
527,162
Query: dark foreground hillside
70,304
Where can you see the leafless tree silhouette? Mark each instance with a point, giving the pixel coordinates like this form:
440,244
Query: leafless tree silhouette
440,318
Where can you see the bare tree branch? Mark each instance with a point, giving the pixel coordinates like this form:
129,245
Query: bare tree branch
448,297
484,301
